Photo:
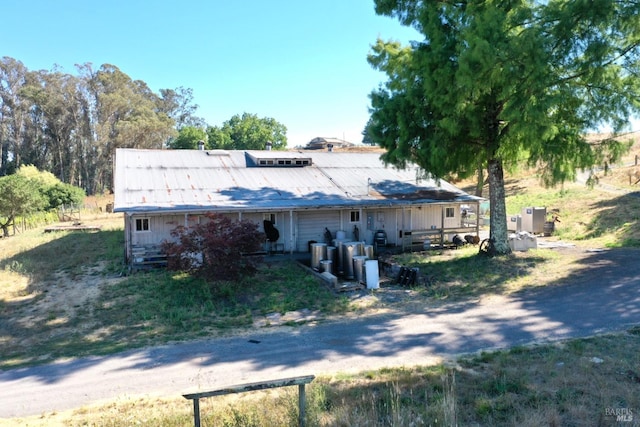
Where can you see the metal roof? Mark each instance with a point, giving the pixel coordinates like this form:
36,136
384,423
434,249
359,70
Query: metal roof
218,180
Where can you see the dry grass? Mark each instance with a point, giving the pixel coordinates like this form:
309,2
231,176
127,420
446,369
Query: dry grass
575,383
572,383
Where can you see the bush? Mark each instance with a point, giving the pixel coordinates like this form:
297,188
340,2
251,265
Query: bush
215,250
61,194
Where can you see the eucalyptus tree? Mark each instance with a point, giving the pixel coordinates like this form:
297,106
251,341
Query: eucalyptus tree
72,125
13,112
56,113
500,82
124,114
178,105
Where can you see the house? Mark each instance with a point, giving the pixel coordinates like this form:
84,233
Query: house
302,193
320,143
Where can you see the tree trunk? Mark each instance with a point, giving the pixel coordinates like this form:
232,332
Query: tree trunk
498,211
480,182
5,226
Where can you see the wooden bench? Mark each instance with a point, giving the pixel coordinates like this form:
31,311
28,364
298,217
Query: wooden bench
263,385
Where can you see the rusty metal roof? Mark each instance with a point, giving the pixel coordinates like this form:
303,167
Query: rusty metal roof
218,180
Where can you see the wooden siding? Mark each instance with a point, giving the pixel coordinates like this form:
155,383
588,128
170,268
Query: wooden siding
311,225
297,228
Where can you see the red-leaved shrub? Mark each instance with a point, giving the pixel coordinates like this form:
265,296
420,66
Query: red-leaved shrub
216,249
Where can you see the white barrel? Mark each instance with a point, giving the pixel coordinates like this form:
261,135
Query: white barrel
341,235
372,274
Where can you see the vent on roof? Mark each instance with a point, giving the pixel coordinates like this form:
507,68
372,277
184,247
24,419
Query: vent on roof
282,162
218,153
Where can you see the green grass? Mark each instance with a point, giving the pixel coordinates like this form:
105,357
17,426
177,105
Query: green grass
143,309
463,274
159,306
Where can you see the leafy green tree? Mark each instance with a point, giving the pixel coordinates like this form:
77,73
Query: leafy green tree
43,178
248,132
217,138
18,198
366,137
62,194
188,138
497,84
55,192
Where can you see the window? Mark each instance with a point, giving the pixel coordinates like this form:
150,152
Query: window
142,224
450,213
355,216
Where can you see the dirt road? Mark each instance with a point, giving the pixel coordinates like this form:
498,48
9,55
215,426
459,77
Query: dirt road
603,297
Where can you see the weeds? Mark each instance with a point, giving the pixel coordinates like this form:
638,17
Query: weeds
499,389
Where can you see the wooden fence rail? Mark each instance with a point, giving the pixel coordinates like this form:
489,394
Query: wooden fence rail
263,385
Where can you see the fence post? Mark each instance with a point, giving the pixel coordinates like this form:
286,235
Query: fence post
299,381
196,412
301,405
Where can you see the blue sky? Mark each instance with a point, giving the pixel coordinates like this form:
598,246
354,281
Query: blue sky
300,62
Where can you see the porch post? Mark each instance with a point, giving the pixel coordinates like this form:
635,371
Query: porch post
291,231
442,210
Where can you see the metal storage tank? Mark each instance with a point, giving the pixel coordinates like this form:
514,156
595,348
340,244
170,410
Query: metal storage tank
533,219
326,265
318,253
514,223
339,266
349,250
368,251
332,253
358,267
